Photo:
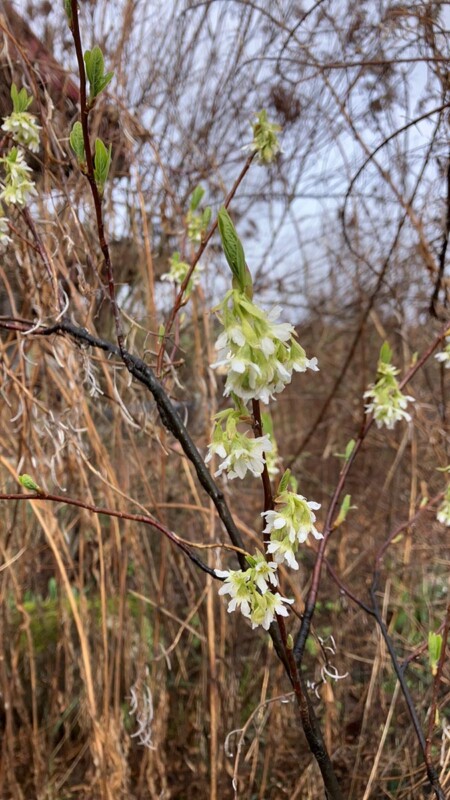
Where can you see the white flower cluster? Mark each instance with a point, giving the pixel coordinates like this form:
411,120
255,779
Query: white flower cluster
388,403
258,353
240,453
16,186
444,355
178,271
265,140
24,129
289,526
251,591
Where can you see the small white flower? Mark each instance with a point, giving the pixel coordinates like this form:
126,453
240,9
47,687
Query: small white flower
444,355
282,550
265,607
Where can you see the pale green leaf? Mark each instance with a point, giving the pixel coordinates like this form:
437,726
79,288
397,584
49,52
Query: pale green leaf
77,142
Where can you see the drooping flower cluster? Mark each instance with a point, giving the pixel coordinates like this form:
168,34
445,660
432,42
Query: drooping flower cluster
444,355
289,525
24,129
388,403
251,591
443,513
16,185
178,271
240,452
258,353
265,140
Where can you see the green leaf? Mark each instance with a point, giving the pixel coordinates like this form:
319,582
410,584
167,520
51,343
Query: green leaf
284,482
345,508
103,83
95,66
234,252
29,483
77,142
197,196
251,561
20,100
206,218
68,10
434,650
102,163
385,354
349,449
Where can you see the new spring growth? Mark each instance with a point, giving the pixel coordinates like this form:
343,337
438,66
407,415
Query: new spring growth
388,403
29,483
240,452
102,163
265,141
249,591
95,70
434,650
21,124
76,140
197,222
290,524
